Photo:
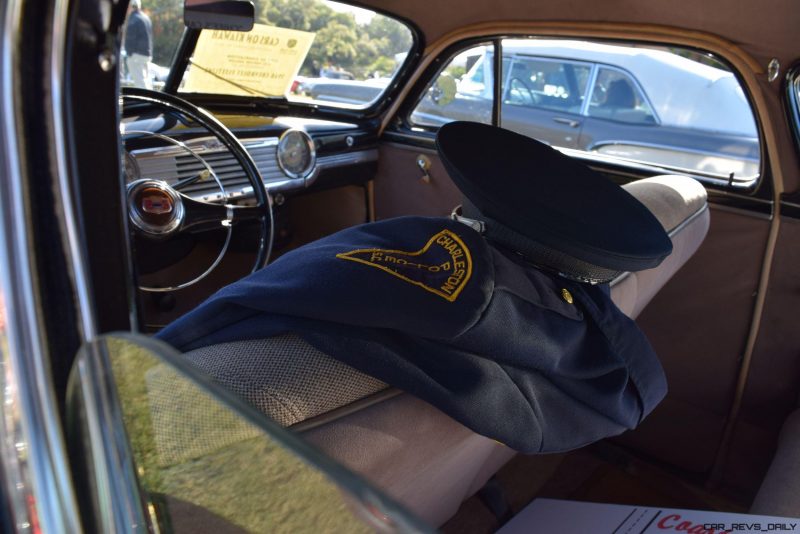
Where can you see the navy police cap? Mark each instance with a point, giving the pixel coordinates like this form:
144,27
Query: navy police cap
534,198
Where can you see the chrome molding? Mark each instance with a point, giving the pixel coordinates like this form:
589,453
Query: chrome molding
275,179
33,455
793,97
177,212
312,154
68,220
118,501
590,157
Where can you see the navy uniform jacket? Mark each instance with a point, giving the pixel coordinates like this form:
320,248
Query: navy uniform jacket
428,306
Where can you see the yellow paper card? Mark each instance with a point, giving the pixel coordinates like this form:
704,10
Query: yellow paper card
261,62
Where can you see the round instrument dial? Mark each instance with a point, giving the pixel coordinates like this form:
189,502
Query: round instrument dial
296,154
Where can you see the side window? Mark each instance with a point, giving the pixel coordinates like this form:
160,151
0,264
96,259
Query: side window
615,96
672,109
547,84
462,91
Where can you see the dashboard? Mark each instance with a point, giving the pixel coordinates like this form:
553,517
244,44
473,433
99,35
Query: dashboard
291,155
297,159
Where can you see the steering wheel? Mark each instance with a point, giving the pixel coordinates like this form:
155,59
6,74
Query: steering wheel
158,210
515,82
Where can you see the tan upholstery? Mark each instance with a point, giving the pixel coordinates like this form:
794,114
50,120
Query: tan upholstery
411,450
779,494
679,203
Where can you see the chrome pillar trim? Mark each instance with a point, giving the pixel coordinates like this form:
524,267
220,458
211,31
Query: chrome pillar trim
68,221
32,451
118,501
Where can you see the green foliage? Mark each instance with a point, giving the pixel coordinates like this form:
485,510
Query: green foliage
456,71
339,42
167,19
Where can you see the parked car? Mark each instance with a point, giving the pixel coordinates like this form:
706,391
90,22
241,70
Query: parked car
358,92
641,104
105,429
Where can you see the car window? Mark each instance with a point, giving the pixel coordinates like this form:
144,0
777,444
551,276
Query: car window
199,458
547,84
312,51
668,108
616,96
462,91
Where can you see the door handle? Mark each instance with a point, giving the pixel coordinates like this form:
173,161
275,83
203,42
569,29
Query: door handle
569,122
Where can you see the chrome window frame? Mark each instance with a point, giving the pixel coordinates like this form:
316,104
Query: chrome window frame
792,92
35,464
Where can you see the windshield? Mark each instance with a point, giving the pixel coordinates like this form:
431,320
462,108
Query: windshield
303,50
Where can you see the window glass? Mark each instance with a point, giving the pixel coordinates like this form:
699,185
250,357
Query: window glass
615,96
303,50
674,109
547,84
462,91
206,462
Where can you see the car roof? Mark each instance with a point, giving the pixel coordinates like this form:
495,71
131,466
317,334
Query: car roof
673,83
763,29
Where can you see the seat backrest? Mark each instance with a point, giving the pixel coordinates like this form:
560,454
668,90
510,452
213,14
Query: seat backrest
620,95
411,450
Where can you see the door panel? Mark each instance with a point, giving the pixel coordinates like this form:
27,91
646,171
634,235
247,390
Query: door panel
774,379
552,127
698,325
400,188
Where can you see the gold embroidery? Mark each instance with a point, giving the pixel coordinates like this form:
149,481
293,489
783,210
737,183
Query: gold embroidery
443,266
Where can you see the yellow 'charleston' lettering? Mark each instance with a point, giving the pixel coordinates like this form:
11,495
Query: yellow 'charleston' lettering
444,278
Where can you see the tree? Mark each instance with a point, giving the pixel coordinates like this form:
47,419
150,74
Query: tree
167,19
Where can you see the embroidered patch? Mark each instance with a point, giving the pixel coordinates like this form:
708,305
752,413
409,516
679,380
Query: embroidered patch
443,266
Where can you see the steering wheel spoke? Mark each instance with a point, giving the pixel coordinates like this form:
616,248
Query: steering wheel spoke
198,213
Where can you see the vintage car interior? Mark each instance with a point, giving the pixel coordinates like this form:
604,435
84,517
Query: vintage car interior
133,205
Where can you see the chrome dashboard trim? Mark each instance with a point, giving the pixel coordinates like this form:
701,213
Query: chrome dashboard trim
312,154
208,145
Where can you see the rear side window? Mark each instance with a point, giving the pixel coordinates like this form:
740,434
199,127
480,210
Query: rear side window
673,109
616,96
547,83
462,91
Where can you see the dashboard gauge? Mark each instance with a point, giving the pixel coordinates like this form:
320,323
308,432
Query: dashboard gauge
296,154
132,172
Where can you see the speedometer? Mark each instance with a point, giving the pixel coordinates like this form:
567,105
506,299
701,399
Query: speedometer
296,154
